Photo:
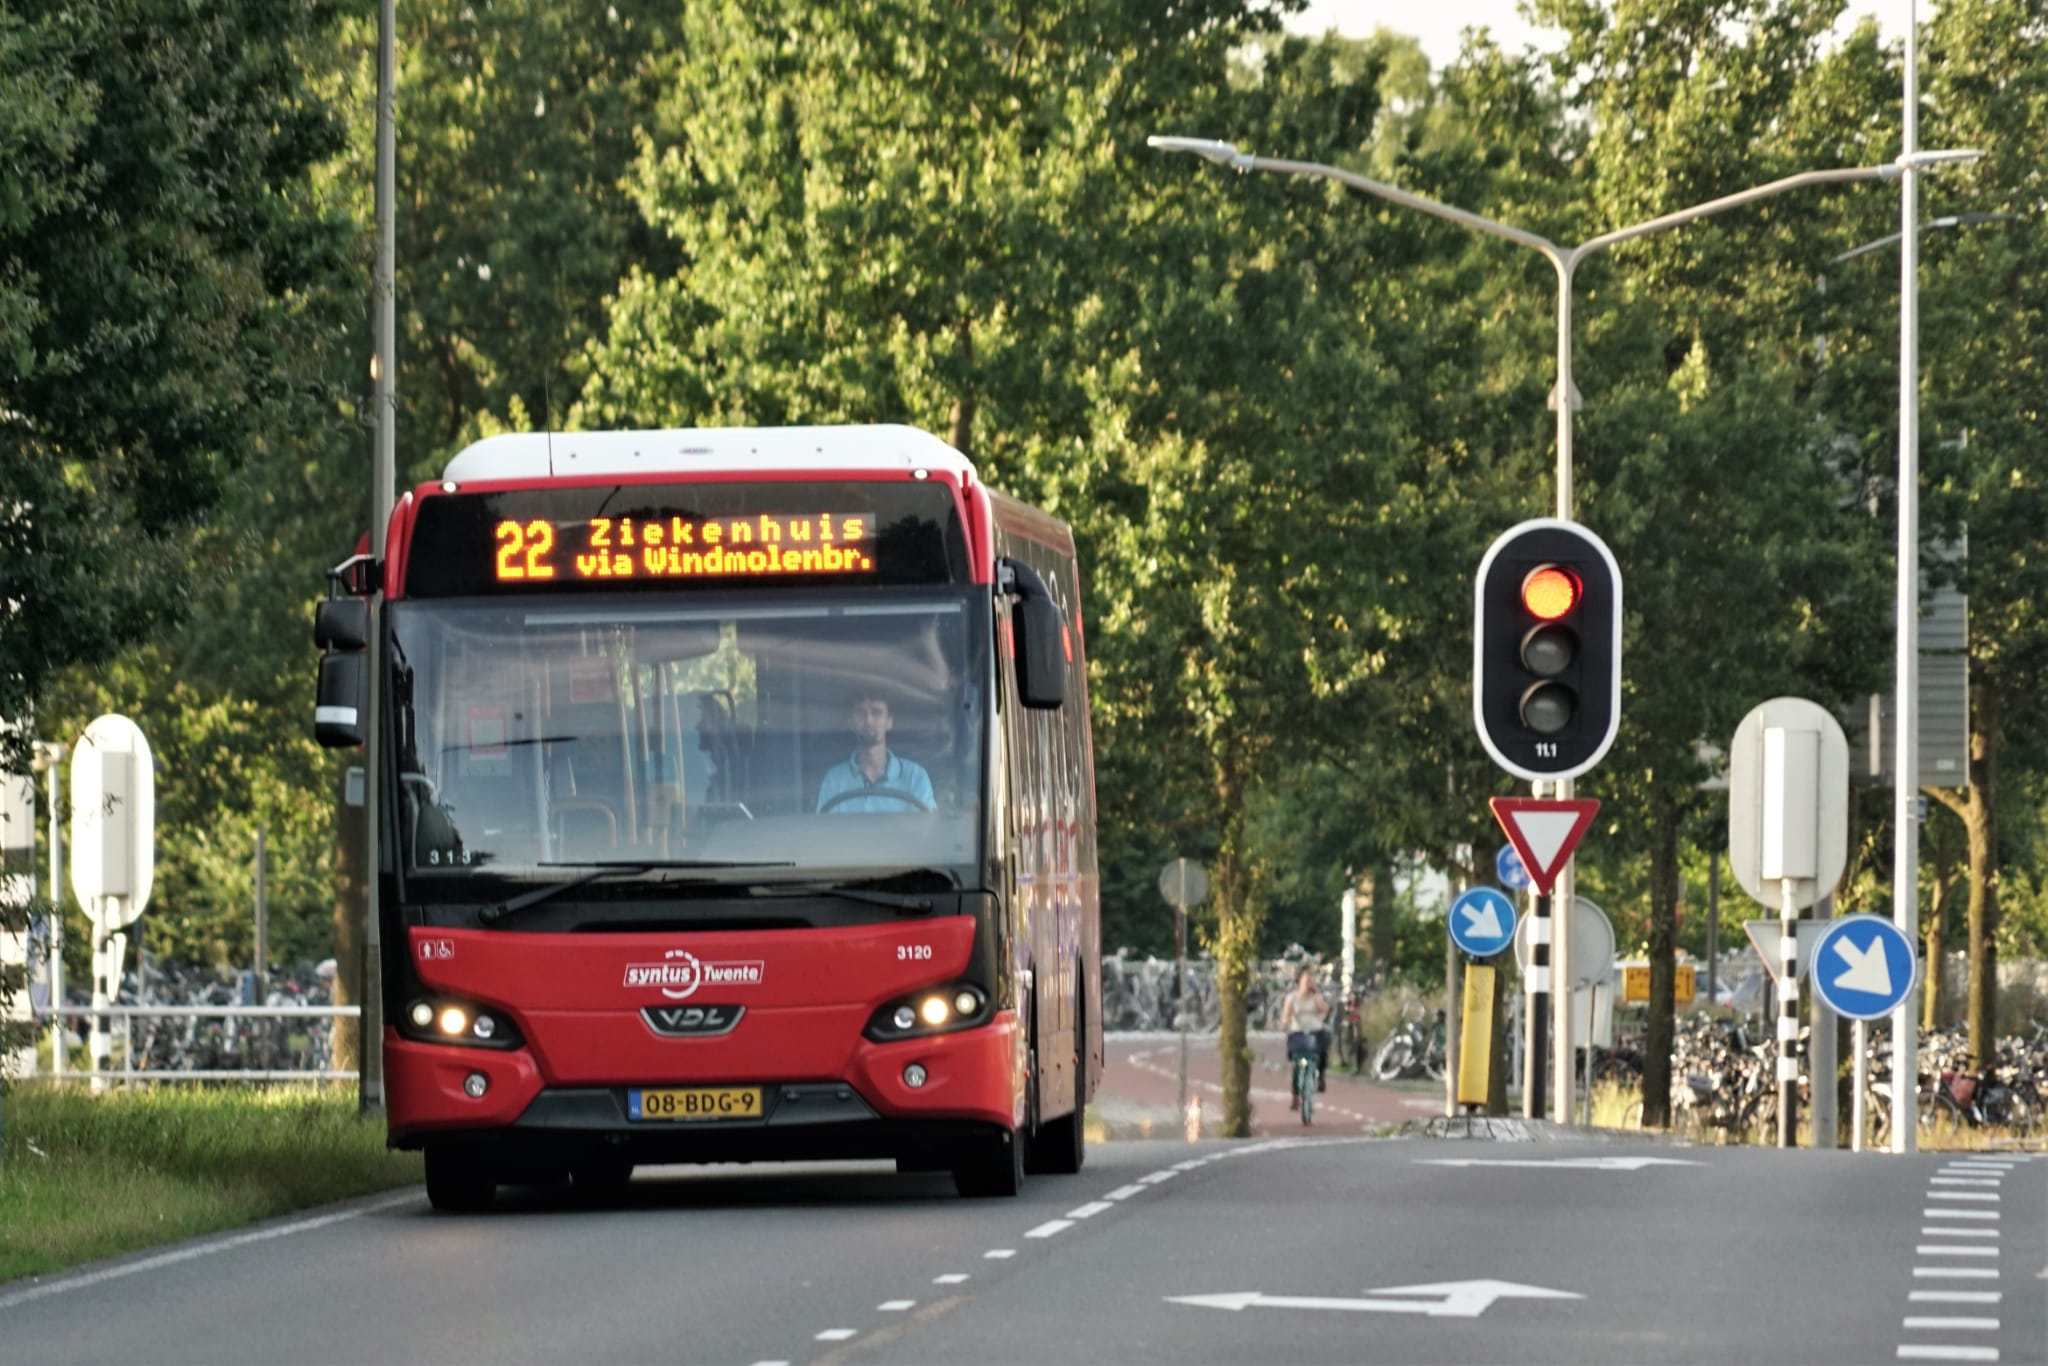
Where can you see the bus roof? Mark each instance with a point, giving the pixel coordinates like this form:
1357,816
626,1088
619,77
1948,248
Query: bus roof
697,450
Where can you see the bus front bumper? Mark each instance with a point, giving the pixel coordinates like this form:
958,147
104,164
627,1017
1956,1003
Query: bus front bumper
971,1084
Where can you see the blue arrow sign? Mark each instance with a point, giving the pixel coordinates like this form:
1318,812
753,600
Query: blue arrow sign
1482,922
1508,864
1863,967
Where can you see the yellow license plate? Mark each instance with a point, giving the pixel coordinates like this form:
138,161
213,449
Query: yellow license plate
694,1102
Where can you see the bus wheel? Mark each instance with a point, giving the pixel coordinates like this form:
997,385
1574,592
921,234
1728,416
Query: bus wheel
1061,1145
993,1167
457,1181
600,1176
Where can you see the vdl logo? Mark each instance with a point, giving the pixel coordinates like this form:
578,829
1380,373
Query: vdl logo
681,972
692,1021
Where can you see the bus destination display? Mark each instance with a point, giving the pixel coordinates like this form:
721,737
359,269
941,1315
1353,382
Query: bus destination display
539,551
713,536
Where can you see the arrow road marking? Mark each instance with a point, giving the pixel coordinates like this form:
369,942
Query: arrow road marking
1450,1299
1483,921
1595,1164
1868,970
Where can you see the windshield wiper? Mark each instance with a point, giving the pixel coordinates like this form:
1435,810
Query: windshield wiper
901,901
491,915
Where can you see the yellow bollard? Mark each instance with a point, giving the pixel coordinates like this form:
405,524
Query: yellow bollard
1475,1038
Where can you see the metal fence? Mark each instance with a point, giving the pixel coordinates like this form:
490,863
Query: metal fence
192,1050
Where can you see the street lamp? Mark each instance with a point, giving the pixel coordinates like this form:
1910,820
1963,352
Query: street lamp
1953,220
1565,397
1565,260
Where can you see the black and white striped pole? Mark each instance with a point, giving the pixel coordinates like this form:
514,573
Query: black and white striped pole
1788,842
1788,1017
1538,1050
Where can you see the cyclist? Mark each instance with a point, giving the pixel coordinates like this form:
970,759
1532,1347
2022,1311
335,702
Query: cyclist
1305,1018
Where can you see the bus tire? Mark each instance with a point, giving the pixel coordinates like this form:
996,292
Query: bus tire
600,1177
1061,1145
458,1182
992,1168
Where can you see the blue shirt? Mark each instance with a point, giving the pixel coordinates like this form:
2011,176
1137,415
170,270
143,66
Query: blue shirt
904,775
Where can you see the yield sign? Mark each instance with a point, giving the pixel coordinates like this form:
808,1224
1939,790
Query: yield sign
1544,832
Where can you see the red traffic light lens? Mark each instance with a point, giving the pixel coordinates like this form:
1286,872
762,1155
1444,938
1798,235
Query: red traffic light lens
1550,592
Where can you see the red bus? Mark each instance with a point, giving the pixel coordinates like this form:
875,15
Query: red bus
737,804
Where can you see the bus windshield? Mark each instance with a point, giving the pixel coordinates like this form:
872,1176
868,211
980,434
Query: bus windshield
806,729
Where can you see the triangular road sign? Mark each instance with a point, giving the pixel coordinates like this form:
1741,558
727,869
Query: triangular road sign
1767,937
1544,832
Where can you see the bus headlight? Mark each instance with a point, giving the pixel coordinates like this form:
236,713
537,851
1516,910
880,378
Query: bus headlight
935,1010
440,1020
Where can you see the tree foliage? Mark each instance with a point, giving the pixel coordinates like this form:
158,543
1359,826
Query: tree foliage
162,262
1284,419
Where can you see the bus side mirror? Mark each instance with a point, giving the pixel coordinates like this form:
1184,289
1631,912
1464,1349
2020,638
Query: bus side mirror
338,705
1041,653
341,624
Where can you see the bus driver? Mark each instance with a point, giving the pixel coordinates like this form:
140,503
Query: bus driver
872,778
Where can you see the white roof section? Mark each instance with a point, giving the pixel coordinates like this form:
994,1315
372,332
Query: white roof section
700,450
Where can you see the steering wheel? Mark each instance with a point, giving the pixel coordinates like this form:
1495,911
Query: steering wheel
896,794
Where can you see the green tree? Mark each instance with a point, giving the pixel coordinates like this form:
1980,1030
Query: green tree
162,262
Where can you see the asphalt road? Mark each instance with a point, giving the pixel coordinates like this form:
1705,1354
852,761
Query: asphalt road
1572,1252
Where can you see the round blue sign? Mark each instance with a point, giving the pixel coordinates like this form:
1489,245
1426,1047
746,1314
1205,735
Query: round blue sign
1508,864
1482,922
1862,966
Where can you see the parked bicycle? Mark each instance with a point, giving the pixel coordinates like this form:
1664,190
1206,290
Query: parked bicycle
1412,1051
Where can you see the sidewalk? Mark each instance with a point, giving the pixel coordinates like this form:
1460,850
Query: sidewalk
1140,1090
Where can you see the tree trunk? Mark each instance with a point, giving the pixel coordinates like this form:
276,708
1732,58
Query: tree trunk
1657,1039
1234,943
351,907
1382,877
1977,808
1980,824
1937,922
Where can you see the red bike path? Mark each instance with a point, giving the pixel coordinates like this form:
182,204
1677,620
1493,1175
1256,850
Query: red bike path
1139,1094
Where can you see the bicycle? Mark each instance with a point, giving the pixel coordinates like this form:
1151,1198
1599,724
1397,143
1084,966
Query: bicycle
1304,1055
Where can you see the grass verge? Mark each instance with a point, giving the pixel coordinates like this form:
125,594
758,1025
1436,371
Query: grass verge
84,1177
1618,1107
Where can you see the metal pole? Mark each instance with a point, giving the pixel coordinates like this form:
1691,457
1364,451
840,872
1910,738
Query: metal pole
1906,697
1348,927
262,925
1859,1121
1180,985
1536,1057
60,1045
1788,1020
1713,925
1453,996
1564,995
1821,1068
383,479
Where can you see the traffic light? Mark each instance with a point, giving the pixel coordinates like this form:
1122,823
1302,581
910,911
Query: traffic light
1546,653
